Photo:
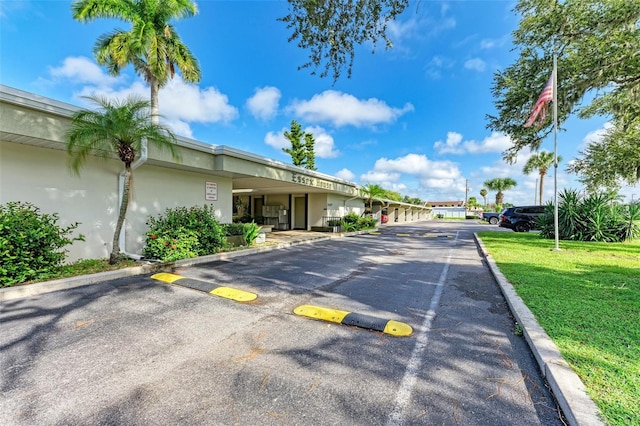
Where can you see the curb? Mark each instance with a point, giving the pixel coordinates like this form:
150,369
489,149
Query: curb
30,290
569,391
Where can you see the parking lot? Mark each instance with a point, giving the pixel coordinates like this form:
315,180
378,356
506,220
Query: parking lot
140,350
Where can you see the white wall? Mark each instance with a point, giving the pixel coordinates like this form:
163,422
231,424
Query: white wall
41,176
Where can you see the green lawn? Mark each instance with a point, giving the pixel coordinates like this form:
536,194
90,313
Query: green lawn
587,298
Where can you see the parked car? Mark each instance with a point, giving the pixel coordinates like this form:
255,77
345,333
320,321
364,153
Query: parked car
520,218
491,217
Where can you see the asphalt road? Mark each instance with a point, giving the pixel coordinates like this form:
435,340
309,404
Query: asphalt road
138,351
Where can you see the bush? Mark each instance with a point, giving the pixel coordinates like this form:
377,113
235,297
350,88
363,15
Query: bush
31,243
171,244
595,217
233,229
367,222
182,222
250,232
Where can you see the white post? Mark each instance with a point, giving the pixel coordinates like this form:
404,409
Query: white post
555,150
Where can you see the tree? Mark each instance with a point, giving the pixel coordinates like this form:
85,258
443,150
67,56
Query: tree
302,154
472,202
117,128
499,185
332,29
616,157
540,162
372,191
152,45
297,151
483,194
310,152
593,40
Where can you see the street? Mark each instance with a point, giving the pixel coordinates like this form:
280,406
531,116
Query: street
139,351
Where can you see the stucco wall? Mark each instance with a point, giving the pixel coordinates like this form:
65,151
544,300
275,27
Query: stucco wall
317,208
41,176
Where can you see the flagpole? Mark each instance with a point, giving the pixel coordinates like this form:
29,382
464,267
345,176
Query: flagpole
555,151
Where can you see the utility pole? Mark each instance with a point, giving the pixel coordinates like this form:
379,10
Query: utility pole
466,194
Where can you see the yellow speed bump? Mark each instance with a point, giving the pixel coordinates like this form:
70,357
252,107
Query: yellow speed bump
207,287
394,328
234,294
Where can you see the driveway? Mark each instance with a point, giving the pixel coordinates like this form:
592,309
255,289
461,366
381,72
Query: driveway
139,351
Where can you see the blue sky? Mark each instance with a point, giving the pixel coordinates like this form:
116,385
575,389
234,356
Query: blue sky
411,119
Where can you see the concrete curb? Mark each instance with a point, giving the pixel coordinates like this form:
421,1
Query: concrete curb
571,394
30,290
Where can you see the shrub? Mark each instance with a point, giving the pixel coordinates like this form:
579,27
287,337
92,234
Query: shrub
595,217
232,229
31,243
201,221
171,244
367,222
250,232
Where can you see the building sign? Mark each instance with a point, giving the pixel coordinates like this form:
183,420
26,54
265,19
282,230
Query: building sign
211,191
320,183
310,181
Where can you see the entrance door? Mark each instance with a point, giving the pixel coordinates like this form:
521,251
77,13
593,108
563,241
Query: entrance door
300,213
257,206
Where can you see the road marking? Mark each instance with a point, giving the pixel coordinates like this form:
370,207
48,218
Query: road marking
403,395
207,287
403,235
393,328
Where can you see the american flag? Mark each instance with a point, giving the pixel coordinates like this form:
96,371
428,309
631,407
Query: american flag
540,109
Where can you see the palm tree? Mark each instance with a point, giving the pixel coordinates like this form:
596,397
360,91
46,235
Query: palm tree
152,45
499,185
540,162
372,191
483,194
116,129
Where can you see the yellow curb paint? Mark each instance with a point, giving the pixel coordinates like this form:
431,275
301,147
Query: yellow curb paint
325,314
374,233
430,236
166,277
396,328
403,235
234,294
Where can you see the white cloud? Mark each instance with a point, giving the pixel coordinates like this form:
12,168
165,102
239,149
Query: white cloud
451,145
192,104
83,70
595,136
180,103
379,177
433,69
496,142
277,140
264,103
345,174
475,64
489,43
439,175
341,109
324,147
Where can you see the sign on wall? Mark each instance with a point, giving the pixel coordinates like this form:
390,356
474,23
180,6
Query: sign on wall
211,191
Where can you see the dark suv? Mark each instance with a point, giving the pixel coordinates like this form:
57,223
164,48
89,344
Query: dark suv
520,218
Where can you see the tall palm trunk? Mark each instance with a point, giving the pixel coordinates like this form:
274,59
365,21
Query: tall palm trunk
541,187
499,198
124,204
155,109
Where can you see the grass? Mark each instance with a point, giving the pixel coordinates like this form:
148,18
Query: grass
93,266
83,267
587,298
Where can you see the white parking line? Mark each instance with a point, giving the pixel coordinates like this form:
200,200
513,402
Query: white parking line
396,417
